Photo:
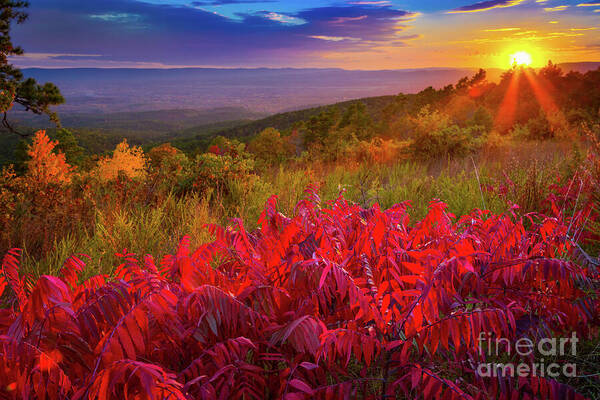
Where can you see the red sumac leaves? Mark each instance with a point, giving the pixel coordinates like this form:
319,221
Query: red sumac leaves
336,302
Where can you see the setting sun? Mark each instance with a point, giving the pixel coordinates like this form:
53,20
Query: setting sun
521,58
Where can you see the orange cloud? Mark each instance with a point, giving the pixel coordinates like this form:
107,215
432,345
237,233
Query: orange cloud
501,29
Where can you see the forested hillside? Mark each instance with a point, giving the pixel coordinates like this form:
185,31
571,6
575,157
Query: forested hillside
99,133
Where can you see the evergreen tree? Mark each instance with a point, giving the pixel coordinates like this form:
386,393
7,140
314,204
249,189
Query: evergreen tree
483,118
14,88
318,127
357,117
67,143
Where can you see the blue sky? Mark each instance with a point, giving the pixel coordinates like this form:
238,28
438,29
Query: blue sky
353,34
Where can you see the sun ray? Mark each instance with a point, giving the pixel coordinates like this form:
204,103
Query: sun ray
542,92
508,108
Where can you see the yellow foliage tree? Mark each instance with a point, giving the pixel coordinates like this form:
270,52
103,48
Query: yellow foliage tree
127,160
46,166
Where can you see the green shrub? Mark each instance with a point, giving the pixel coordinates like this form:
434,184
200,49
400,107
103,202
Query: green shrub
520,132
447,142
217,171
170,168
270,148
482,118
539,128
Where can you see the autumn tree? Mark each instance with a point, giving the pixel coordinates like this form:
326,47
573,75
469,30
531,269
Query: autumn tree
46,166
14,88
126,160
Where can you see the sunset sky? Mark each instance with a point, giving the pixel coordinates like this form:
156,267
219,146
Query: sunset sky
356,34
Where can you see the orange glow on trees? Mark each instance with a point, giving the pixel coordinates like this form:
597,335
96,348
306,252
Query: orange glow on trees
126,160
507,110
45,165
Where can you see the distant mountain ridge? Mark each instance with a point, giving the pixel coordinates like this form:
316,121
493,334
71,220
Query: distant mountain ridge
89,90
581,67
261,90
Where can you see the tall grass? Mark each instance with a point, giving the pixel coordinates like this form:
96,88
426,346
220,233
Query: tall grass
156,229
140,230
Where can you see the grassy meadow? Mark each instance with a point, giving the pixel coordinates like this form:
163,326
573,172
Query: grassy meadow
145,220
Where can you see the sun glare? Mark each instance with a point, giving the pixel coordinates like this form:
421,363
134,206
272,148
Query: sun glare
520,58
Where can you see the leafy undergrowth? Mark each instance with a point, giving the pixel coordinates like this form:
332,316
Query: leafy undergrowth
336,302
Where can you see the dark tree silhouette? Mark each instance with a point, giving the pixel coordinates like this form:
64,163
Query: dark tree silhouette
14,88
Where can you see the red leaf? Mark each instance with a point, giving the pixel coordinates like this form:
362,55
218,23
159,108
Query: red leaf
298,384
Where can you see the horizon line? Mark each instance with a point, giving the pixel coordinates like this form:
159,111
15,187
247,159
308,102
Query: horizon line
157,68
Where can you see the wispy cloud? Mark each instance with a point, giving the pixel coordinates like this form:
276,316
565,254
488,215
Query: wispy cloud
282,18
228,2
343,20
334,38
556,9
371,3
501,29
485,6
117,17
47,56
525,33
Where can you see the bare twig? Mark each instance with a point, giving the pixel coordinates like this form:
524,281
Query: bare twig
9,127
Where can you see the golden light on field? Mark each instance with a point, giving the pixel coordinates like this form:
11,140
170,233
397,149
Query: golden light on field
521,58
